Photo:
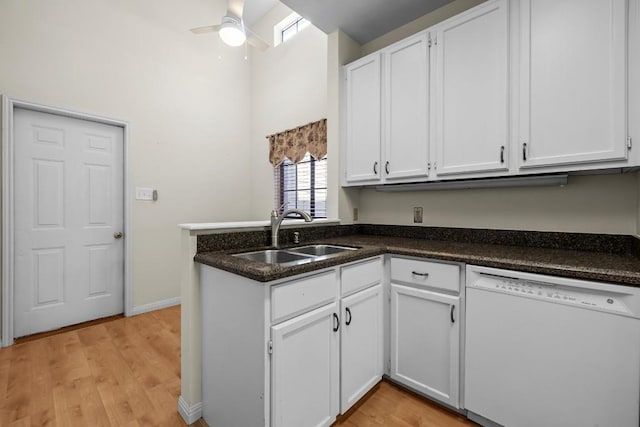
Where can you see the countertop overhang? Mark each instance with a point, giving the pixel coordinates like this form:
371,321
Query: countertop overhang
598,266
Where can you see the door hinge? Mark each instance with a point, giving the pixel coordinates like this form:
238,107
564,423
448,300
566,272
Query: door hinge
629,143
270,346
389,365
429,42
435,41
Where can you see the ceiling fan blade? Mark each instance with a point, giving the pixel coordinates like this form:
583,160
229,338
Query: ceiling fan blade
207,29
235,7
256,41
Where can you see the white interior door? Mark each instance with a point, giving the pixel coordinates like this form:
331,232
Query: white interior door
68,210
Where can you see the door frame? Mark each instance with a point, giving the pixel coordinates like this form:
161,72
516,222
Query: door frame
9,105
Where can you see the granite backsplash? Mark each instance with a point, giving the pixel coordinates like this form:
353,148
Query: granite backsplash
605,243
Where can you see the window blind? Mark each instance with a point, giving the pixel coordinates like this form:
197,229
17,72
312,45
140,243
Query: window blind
302,185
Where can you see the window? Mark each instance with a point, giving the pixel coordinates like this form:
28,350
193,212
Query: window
302,185
289,27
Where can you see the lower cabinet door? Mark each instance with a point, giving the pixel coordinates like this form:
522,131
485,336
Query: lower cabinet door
425,342
362,345
305,369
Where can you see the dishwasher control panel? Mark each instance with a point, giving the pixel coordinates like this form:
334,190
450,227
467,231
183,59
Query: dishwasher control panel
586,298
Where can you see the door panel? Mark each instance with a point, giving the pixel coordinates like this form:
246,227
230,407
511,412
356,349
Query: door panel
425,334
573,87
363,119
68,199
362,344
472,96
406,109
305,370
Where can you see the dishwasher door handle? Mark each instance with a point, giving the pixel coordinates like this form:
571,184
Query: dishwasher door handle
453,319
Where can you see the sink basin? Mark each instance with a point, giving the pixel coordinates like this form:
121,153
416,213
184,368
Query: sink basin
321,250
295,256
275,256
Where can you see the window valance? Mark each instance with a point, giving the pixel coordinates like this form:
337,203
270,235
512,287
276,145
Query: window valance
295,143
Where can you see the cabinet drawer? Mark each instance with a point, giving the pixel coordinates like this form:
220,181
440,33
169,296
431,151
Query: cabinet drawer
302,295
426,273
361,275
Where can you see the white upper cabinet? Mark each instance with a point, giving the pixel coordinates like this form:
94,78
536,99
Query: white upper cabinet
573,86
471,114
406,115
509,87
363,135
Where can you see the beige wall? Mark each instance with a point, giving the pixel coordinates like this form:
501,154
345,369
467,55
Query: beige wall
188,109
288,89
592,204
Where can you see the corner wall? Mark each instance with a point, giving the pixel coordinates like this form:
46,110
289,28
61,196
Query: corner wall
288,89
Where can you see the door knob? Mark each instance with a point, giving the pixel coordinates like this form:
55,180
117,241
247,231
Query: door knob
117,235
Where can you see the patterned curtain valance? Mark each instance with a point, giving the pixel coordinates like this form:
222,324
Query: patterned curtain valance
295,143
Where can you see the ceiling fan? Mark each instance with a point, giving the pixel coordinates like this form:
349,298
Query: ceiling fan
232,30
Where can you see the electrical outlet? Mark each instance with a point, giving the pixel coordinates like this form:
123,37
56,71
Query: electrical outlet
355,214
144,193
417,215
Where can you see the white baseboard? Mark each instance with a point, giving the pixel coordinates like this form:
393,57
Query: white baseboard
190,414
144,308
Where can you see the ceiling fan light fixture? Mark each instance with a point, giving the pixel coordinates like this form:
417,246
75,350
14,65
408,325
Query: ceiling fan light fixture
232,31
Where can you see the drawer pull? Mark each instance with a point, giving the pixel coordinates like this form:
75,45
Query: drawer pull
415,273
337,322
348,321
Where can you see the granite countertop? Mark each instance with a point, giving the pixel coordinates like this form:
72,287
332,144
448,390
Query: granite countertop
590,265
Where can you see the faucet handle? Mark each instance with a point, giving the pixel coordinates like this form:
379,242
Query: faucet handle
281,208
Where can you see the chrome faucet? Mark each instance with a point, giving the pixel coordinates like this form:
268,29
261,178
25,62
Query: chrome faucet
276,221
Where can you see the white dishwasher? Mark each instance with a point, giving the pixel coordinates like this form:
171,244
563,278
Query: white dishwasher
550,351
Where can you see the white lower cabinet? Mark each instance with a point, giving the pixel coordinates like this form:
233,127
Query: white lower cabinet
297,353
305,369
425,319
282,354
362,344
425,342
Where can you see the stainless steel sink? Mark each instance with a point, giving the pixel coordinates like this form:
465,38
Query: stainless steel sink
275,256
295,256
321,250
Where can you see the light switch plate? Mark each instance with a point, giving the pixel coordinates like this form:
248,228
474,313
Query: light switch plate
144,193
417,215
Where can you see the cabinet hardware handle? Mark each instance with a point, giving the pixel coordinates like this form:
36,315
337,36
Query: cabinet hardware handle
337,322
453,319
375,168
524,151
386,168
415,273
502,154
348,321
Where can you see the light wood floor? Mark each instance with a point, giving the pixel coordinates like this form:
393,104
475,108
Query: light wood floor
126,372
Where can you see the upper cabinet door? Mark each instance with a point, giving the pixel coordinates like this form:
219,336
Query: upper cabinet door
363,119
472,91
573,82
406,118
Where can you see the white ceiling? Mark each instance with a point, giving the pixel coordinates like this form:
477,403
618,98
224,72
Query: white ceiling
362,20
